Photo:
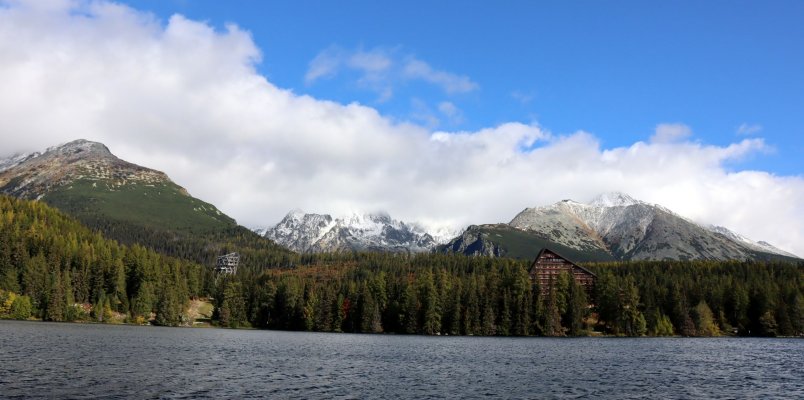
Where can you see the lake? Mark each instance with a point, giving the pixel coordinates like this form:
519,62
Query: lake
53,360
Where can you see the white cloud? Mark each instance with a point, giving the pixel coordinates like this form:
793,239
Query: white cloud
186,99
325,65
423,114
748,129
451,111
451,83
668,133
370,61
373,64
381,69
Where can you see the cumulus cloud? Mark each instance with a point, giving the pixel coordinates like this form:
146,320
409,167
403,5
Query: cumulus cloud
185,98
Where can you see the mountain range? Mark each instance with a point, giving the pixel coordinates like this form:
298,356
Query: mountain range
614,226
316,233
135,204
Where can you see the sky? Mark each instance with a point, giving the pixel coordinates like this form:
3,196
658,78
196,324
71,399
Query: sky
447,113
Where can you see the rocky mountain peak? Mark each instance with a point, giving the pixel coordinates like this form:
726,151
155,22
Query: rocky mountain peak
81,148
33,175
629,228
376,231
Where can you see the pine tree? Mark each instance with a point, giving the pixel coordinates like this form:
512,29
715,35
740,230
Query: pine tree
72,312
143,303
576,309
168,309
369,312
430,305
410,309
551,326
631,322
310,304
107,310
97,309
704,320
56,307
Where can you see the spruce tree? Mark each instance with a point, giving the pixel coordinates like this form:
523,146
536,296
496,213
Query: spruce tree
56,307
168,308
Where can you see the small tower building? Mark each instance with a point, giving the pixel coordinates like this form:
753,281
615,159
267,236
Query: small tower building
227,264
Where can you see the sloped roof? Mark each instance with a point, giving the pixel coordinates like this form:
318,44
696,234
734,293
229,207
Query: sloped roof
561,257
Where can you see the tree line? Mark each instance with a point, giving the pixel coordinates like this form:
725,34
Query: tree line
458,295
54,268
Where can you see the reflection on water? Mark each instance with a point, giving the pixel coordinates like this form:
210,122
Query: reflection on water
88,361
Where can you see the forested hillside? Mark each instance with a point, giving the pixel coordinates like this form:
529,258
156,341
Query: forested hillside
201,246
51,265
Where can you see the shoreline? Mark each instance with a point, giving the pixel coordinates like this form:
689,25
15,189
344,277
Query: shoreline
596,336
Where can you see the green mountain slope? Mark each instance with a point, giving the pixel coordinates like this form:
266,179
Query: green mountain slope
134,204
502,240
159,206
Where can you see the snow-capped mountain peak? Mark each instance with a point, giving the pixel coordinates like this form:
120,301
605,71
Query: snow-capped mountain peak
376,231
632,229
296,213
614,199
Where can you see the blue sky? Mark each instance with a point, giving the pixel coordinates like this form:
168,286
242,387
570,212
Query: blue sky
614,69
441,113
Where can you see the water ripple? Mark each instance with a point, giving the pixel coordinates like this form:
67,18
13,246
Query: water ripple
48,360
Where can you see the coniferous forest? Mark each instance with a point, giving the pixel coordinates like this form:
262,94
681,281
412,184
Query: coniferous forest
51,267
54,268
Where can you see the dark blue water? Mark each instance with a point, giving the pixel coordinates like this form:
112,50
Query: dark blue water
89,361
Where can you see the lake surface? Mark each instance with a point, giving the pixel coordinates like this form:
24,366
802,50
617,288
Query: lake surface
51,360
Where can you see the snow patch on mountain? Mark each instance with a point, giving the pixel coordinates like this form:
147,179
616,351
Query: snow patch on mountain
16,159
614,199
759,246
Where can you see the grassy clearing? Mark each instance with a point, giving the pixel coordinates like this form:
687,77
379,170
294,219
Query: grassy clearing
200,312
